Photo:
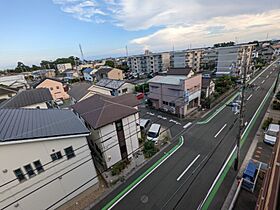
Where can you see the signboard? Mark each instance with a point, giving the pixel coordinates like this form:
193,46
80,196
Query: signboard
186,96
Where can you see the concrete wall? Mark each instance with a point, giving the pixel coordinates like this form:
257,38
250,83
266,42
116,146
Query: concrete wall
115,74
55,87
57,180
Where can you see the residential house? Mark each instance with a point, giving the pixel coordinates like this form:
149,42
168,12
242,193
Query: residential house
264,53
175,93
46,160
89,74
55,86
70,74
63,66
14,81
276,48
43,73
111,87
188,72
85,65
107,72
78,91
207,87
40,98
6,93
113,125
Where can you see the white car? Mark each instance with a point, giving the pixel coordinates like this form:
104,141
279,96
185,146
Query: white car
58,102
154,132
271,134
144,124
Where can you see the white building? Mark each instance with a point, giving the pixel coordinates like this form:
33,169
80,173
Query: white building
45,158
114,124
63,66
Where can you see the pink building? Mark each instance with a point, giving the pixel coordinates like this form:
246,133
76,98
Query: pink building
177,94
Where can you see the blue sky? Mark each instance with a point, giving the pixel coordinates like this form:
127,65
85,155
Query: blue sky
33,30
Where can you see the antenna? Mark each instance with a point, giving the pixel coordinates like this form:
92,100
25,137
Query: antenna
126,50
82,54
267,36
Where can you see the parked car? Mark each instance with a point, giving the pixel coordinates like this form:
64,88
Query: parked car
271,134
140,96
58,102
154,132
144,125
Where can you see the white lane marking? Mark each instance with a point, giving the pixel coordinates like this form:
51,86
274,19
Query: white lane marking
263,81
177,123
150,113
270,72
182,174
187,125
161,117
245,124
249,97
132,188
236,112
258,88
220,130
266,76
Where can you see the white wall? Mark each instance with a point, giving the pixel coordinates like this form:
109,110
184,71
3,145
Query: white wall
130,88
34,106
15,156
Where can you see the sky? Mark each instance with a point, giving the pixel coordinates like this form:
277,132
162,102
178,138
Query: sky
35,30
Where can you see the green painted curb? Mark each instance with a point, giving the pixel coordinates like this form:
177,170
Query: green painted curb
223,175
108,205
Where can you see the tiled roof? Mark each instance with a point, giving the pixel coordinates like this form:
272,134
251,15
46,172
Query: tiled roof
179,71
28,97
110,83
99,110
87,70
79,90
5,90
42,80
104,69
170,79
28,124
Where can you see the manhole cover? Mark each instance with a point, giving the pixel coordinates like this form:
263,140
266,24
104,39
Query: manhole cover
144,198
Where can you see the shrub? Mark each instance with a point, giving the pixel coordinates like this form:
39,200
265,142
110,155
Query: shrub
276,105
149,149
117,168
266,123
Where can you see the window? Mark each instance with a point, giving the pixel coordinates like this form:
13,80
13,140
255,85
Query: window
29,170
57,87
51,88
38,166
20,176
56,156
124,90
69,152
119,125
165,102
172,104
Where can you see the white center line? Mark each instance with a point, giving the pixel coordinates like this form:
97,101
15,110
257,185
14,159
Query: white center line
258,88
266,76
220,130
249,97
187,125
182,174
263,81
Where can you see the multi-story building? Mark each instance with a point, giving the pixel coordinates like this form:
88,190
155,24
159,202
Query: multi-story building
209,60
114,126
232,60
178,59
177,94
63,66
46,160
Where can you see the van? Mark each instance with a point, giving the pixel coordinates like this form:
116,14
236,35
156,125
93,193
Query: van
144,124
154,132
270,135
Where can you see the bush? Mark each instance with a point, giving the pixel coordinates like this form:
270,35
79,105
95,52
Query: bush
149,149
278,95
117,168
276,105
266,123
140,88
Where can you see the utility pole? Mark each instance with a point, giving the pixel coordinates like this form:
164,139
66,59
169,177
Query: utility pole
82,54
241,112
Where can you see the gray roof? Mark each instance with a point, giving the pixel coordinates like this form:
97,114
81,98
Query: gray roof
5,90
28,97
99,110
206,82
79,90
110,83
170,80
27,124
104,70
179,71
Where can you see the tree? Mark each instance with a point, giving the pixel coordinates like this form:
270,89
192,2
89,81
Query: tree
110,63
224,44
21,67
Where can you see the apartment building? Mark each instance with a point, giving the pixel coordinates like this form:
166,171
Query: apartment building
177,94
114,126
232,59
46,166
63,66
209,60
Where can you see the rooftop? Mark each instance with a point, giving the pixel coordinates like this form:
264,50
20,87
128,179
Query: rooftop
179,71
28,97
170,79
206,82
88,70
99,110
79,90
28,124
6,90
34,85
110,83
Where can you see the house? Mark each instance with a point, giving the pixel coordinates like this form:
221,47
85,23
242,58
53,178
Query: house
276,48
6,93
63,66
70,74
111,87
207,87
45,157
188,72
89,74
55,86
176,94
40,98
78,91
109,73
39,74
14,81
113,125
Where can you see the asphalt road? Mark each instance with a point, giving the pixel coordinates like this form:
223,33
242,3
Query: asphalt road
183,180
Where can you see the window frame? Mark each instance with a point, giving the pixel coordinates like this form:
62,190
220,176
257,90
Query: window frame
39,167
22,175
71,154
29,170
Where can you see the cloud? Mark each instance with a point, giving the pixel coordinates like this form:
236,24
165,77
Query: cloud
217,29
84,10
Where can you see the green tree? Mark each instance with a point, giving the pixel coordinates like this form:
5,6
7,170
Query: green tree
110,63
